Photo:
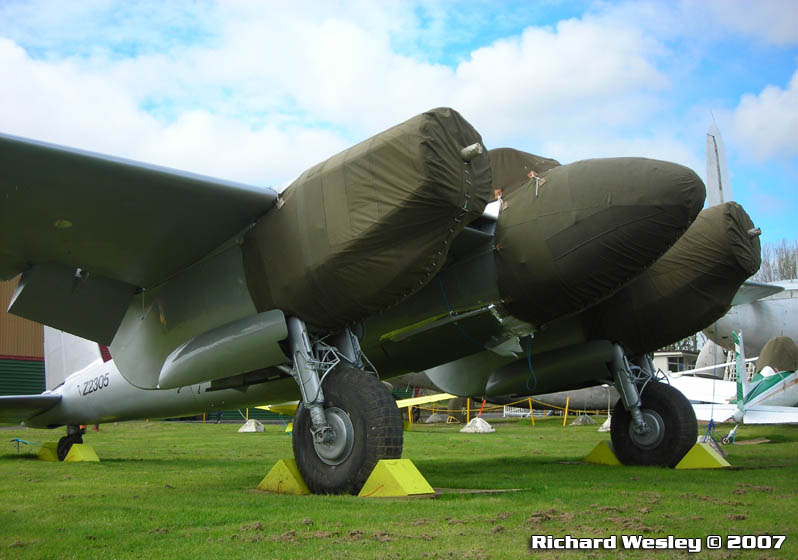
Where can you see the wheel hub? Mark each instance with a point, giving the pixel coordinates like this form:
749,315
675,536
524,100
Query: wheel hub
335,451
653,435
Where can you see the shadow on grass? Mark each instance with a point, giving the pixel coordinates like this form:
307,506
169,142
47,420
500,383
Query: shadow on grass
19,456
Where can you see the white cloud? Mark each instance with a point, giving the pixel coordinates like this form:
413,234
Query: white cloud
701,21
264,91
766,125
64,103
770,21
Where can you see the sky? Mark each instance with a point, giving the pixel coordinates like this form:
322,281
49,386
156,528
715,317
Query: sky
258,91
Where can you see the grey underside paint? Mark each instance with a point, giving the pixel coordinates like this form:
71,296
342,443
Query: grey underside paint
204,297
127,221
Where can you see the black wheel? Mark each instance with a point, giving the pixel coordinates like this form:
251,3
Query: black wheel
367,425
66,443
672,432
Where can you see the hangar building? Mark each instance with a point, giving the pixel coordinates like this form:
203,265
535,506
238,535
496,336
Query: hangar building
21,349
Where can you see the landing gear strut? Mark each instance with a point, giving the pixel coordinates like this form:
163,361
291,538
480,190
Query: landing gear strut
341,432
653,423
74,435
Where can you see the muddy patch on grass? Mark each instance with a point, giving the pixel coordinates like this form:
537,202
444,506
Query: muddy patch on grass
288,536
549,515
714,500
382,536
323,534
256,526
500,516
746,488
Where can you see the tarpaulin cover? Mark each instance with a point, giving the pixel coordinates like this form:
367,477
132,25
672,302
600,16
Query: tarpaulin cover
511,168
780,353
580,232
690,287
361,231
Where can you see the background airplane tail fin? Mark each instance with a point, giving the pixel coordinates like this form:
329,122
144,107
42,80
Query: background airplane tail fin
742,374
718,186
64,354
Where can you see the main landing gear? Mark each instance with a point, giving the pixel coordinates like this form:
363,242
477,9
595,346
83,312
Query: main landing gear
74,435
340,433
652,423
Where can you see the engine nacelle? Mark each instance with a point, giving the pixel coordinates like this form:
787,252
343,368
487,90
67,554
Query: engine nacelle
578,233
690,287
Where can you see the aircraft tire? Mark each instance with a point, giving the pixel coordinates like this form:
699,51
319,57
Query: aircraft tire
677,428
357,401
66,443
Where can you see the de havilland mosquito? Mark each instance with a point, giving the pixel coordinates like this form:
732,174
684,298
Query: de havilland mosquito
380,260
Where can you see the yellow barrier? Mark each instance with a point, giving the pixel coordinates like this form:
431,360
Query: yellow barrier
531,412
496,408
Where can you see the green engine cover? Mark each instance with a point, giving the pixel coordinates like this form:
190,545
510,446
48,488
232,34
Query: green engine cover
579,232
363,230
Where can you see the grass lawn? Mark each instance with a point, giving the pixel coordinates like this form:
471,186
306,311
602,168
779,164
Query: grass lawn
174,490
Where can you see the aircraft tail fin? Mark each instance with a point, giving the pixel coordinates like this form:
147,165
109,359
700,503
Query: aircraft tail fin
742,374
718,186
64,354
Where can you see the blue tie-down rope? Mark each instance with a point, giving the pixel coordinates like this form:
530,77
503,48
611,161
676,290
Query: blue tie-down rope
18,441
529,363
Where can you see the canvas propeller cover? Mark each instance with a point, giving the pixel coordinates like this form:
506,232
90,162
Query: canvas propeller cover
574,235
690,287
780,353
364,229
513,168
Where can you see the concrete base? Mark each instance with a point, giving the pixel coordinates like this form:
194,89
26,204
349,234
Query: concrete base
251,427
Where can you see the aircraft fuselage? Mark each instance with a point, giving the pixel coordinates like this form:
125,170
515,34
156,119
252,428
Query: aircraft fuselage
100,394
759,321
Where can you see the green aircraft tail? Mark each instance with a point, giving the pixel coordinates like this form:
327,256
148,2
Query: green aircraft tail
742,375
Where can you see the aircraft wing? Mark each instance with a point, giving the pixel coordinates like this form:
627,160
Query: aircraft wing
765,414
752,291
703,390
418,401
285,408
717,412
125,225
289,408
756,414
18,408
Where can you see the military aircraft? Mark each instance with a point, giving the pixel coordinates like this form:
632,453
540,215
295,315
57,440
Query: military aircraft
380,259
764,311
771,397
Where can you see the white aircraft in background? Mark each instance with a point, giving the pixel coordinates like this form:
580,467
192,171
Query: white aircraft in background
771,397
761,311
